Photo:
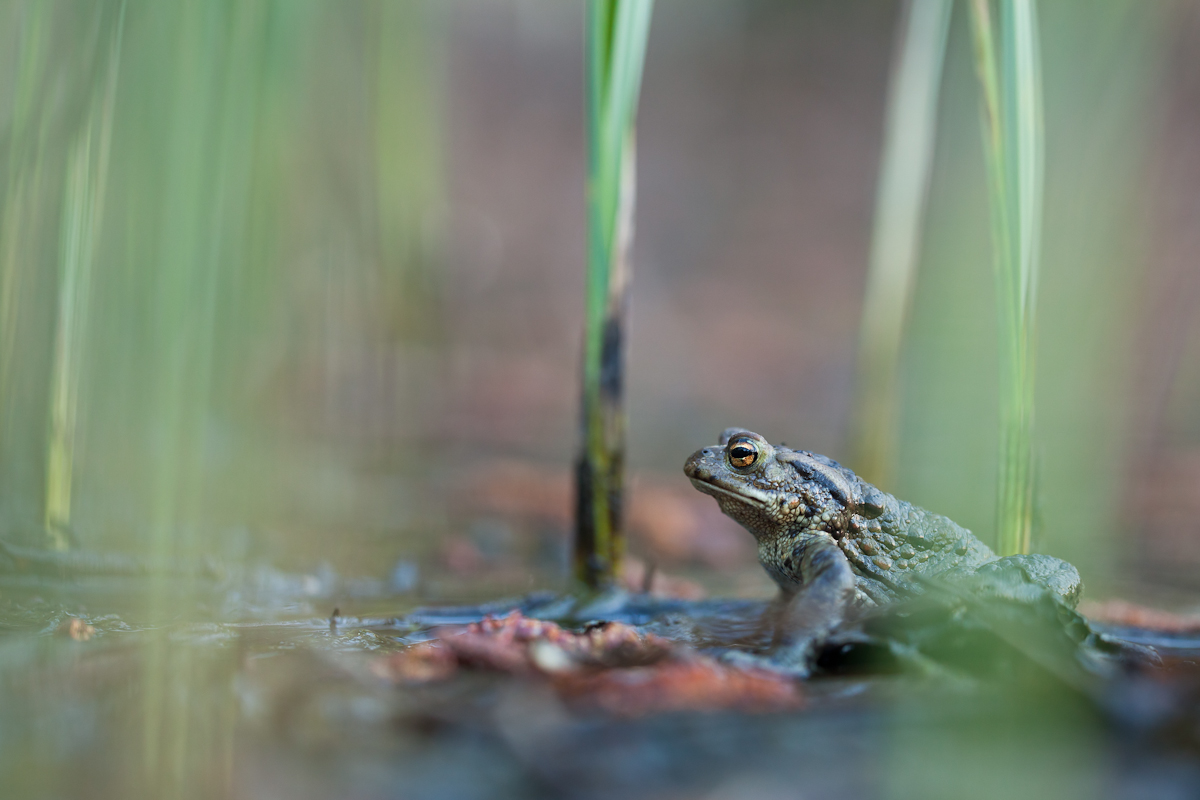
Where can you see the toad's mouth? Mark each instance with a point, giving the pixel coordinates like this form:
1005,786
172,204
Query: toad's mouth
712,488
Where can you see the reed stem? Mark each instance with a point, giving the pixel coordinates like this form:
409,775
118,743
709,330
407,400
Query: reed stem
1013,146
86,182
617,31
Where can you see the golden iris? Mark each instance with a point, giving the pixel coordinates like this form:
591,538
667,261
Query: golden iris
743,453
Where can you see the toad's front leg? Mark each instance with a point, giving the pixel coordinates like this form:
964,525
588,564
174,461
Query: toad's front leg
816,587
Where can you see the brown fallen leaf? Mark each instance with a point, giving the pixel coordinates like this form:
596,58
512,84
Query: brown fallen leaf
610,666
517,644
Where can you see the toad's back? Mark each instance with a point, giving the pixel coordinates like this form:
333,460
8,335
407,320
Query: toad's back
800,504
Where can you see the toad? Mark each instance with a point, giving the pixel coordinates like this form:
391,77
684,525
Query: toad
833,542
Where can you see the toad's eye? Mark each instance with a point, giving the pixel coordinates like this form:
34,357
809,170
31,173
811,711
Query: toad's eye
743,453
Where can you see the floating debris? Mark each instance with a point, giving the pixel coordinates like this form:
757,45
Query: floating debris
75,628
609,666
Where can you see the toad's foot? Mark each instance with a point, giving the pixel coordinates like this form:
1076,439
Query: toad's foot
1019,577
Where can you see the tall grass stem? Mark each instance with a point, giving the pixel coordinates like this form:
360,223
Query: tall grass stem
909,133
617,31
84,192
1013,136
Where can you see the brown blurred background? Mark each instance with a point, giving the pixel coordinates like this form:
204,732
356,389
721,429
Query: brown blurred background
759,139
374,365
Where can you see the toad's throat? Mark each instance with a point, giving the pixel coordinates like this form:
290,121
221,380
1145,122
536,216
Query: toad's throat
712,488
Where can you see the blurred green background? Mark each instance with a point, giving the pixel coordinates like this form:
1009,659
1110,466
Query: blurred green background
299,284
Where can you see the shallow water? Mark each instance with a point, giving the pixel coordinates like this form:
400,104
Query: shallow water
245,698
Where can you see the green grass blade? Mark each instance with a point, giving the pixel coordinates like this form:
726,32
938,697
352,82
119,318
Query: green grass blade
86,182
616,46
1013,145
905,170
22,219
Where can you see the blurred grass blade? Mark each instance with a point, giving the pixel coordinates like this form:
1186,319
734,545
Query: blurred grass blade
86,180
22,220
21,186
909,135
1013,145
190,242
616,42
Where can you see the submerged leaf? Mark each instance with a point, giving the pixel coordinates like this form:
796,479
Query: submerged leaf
608,666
